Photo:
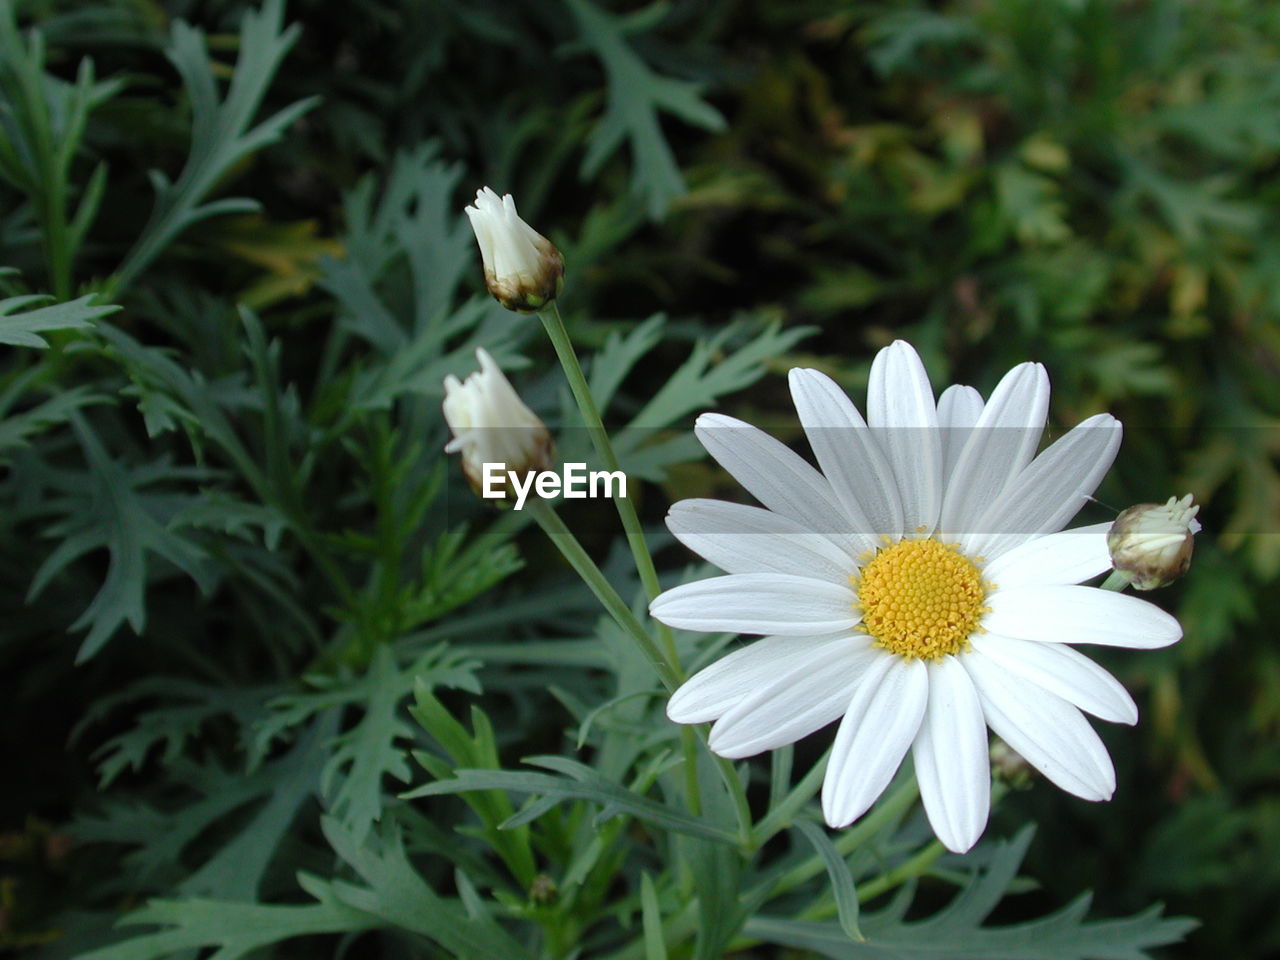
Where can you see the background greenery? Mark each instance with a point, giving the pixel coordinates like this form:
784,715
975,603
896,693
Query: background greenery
230,545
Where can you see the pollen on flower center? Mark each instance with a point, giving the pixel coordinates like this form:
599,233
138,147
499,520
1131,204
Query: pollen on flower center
921,598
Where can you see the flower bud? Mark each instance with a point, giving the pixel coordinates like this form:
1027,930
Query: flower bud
491,424
1151,543
522,268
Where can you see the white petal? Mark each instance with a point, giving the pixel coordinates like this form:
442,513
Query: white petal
849,456
1071,556
881,723
1049,733
776,476
1062,671
1050,491
1066,614
952,759
482,225
999,446
959,408
805,696
713,691
904,418
742,539
764,603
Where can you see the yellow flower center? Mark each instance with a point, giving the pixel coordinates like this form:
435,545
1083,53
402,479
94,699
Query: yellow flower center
921,598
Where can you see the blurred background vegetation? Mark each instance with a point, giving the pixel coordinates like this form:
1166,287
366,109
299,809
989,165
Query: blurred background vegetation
187,488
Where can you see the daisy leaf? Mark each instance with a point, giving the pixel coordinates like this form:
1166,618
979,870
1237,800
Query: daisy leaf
22,329
222,134
116,508
842,888
636,96
235,929
584,784
957,930
396,893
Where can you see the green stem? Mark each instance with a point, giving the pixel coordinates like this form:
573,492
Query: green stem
889,810
914,867
782,815
1115,581
617,608
559,336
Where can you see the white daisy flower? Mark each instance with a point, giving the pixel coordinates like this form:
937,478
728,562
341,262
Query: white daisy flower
918,587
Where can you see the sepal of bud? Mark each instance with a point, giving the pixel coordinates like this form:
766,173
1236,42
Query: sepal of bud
491,424
1151,543
522,269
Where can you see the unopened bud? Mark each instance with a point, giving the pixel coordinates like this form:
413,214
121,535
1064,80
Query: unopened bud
1151,543
522,268
491,424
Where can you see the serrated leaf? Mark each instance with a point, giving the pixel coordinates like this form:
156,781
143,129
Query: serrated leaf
1032,203
185,706
216,799
436,667
396,893
895,40
221,135
583,784
713,370
22,329
619,355
957,932
112,508
225,512
416,220
353,777
43,120
478,749
16,429
636,95
234,929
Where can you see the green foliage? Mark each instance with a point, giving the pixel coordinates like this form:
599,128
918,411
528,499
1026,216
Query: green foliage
116,510
233,928
635,96
23,329
221,131
324,702
43,120
958,931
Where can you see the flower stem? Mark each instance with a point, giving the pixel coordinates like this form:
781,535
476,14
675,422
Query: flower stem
914,867
907,870
617,608
1116,581
555,328
782,815
888,810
